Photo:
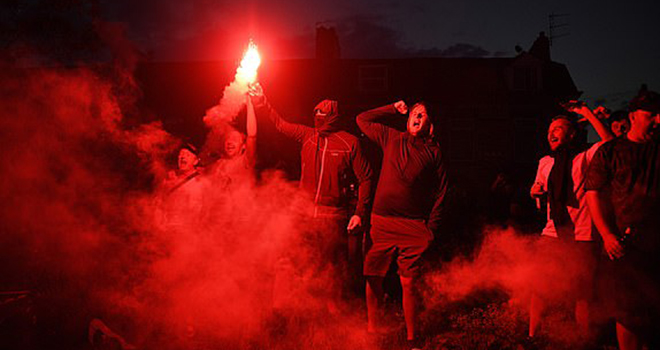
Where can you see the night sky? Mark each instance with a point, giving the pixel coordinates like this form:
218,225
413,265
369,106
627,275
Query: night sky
610,47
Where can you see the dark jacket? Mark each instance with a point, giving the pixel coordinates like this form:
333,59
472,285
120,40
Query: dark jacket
413,180
328,157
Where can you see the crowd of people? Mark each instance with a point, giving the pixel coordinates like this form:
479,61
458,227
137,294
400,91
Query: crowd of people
603,197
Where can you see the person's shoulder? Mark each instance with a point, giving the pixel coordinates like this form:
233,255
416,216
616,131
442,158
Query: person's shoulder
616,144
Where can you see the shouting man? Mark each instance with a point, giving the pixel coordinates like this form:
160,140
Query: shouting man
407,207
567,238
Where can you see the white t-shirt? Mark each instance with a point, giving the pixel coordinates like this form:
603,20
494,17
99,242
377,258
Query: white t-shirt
580,216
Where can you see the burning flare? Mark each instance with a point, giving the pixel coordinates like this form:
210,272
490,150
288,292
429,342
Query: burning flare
247,71
233,96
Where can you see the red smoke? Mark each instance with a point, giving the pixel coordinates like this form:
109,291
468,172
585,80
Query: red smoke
234,94
76,205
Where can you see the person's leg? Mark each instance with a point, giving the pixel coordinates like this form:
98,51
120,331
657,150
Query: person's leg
587,254
376,263
409,305
627,339
374,296
414,239
535,310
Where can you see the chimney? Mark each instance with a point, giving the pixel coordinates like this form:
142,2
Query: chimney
327,43
541,47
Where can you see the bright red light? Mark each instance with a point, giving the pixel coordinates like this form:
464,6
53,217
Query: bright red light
247,71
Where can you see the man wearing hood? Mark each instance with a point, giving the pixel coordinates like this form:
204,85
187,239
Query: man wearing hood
329,156
408,205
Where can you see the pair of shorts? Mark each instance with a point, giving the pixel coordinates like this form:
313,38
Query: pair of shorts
407,239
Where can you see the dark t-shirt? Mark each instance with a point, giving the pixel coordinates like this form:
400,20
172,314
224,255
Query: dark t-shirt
630,172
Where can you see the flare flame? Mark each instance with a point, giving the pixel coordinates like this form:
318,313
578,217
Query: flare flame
247,71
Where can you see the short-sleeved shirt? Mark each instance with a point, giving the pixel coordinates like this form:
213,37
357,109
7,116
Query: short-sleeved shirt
630,171
579,216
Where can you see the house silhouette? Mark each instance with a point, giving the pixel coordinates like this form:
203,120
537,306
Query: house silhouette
493,117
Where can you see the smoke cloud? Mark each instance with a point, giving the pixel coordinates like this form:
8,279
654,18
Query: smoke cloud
487,297
90,232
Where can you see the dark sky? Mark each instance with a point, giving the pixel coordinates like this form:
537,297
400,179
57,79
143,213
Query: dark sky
611,47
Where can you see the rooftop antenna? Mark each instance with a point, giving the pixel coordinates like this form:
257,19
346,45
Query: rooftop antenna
558,26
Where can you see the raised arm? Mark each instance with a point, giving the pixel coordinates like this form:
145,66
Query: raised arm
251,142
603,131
295,131
369,122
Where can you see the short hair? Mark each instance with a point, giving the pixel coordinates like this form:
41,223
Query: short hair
432,109
571,121
190,147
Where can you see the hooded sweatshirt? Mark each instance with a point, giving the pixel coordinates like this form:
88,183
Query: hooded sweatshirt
328,156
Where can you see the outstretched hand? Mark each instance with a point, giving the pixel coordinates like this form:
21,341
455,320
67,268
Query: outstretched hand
401,107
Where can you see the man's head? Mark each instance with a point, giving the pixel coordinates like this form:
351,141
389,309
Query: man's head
187,159
645,115
561,132
419,121
326,115
619,123
234,144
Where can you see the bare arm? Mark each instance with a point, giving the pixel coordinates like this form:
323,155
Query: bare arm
603,131
601,211
251,142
